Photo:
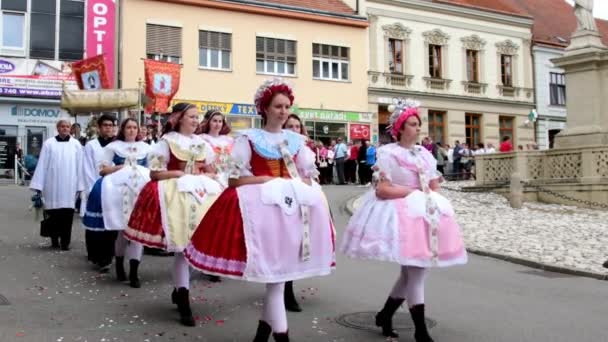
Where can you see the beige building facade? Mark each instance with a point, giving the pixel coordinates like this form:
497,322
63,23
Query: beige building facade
470,68
228,49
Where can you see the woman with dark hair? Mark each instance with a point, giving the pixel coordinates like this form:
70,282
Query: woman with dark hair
173,203
272,224
124,173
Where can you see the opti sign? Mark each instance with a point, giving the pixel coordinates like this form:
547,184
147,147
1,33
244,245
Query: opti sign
101,19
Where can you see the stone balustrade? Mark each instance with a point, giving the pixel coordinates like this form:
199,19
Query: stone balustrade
566,165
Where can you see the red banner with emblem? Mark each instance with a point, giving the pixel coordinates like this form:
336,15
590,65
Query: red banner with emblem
358,131
91,73
162,83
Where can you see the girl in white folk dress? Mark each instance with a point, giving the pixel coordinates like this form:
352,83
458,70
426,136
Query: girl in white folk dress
124,171
404,220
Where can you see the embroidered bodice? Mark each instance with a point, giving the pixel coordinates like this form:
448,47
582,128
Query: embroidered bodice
400,165
178,152
257,153
126,153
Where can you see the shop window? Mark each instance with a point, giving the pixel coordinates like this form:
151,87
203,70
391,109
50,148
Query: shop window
214,50
330,62
473,128
326,131
35,138
164,43
437,125
276,56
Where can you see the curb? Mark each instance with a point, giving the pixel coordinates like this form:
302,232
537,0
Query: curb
515,260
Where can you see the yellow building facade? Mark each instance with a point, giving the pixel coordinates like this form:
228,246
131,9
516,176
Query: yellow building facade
228,49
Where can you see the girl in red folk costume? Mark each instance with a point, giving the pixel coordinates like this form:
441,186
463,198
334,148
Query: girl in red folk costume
171,206
271,225
404,220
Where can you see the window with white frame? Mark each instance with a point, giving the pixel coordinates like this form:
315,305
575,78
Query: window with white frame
164,43
557,87
330,62
13,26
275,56
214,50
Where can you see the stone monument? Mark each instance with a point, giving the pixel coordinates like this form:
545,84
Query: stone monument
586,66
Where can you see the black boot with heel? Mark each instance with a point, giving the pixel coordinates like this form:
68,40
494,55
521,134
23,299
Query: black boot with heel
133,274
183,306
384,318
291,304
421,333
121,275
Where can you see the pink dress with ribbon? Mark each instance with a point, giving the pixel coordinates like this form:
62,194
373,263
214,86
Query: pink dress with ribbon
417,230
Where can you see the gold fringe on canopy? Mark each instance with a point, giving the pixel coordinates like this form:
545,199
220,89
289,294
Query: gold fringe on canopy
86,101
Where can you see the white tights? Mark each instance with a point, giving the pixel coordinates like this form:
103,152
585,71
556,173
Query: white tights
410,285
181,271
122,246
274,308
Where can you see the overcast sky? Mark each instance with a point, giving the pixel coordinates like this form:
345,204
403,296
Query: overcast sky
600,8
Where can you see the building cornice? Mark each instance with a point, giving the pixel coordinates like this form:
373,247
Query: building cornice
461,11
276,10
410,17
466,99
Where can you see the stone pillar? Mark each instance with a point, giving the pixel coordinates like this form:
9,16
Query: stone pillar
586,65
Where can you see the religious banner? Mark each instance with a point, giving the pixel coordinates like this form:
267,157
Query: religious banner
162,83
91,73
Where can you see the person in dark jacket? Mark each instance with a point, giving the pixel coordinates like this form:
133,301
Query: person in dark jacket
362,160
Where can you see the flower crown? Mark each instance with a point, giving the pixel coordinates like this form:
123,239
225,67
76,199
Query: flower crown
267,90
402,110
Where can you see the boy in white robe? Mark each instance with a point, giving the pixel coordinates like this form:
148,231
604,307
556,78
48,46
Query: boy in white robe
99,244
57,179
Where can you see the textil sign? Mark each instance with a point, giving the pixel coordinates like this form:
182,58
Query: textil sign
101,32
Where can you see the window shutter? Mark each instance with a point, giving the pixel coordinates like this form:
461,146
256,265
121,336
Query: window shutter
226,41
163,40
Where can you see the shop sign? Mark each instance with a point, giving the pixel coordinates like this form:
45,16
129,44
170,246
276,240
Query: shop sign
34,78
331,115
100,32
359,131
7,152
35,115
224,107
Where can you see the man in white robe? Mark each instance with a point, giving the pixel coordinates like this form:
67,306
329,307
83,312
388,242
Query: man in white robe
98,242
57,179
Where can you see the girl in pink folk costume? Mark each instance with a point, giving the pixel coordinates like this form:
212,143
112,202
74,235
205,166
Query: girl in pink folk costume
404,220
171,206
215,129
271,225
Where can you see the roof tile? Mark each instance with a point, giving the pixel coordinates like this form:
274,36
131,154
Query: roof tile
333,6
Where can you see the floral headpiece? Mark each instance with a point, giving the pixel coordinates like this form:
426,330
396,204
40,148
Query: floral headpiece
402,110
264,94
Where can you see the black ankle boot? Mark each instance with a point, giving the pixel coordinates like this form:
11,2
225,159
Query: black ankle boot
606,264
120,269
263,332
291,304
133,277
183,306
174,296
281,337
421,333
384,318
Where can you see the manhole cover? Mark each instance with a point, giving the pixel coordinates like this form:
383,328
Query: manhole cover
4,301
367,321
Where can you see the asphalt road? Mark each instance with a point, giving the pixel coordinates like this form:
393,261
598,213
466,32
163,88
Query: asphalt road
56,296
